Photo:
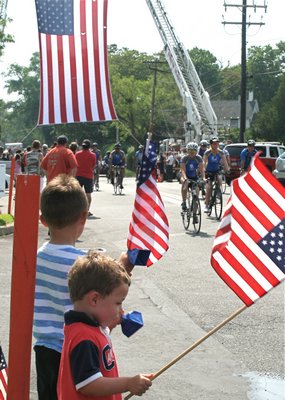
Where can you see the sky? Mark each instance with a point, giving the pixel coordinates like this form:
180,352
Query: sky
197,23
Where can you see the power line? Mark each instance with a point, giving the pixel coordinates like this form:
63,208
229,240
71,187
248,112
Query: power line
245,23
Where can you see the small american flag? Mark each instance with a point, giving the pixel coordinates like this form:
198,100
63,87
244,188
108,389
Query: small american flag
3,376
249,248
74,75
149,230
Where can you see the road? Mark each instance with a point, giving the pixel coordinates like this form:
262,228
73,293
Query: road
181,298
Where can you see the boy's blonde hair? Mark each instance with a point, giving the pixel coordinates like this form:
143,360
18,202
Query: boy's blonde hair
95,271
63,201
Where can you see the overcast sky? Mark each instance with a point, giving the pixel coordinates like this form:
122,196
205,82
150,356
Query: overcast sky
130,24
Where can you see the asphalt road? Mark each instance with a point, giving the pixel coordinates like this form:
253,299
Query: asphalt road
181,299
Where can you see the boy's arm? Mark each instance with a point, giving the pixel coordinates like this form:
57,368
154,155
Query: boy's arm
137,385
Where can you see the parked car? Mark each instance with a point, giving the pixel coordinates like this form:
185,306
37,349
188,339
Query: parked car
269,154
279,171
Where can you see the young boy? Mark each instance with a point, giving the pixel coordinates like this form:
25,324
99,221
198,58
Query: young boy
64,209
98,285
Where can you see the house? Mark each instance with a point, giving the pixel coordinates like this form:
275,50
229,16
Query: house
228,112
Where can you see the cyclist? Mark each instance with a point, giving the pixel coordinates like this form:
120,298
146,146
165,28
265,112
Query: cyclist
213,158
202,147
138,159
106,163
117,158
246,156
191,165
97,152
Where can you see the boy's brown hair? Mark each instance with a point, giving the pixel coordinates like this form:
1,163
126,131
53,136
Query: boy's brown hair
95,271
63,201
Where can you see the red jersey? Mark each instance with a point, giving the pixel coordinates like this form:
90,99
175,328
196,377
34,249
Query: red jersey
87,355
86,161
58,160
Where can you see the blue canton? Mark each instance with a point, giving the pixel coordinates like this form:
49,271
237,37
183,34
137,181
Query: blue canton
148,164
3,364
55,17
273,244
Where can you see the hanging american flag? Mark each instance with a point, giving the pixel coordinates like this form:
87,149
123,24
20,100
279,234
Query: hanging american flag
249,248
149,231
3,376
74,74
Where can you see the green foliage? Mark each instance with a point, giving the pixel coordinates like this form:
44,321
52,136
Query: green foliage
6,219
145,92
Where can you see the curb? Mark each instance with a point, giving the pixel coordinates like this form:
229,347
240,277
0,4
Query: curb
6,229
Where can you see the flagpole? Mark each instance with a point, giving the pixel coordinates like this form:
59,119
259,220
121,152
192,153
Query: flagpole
194,345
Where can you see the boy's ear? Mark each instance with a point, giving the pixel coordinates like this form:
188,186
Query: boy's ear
84,216
93,297
43,221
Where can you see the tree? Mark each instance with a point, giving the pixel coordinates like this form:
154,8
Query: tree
207,68
265,65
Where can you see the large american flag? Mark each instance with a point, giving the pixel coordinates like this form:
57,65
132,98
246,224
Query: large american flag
249,248
3,376
149,230
74,74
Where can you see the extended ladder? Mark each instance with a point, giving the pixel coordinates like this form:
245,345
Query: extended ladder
200,114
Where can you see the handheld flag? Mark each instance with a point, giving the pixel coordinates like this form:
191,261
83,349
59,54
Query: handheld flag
74,74
3,376
149,230
249,248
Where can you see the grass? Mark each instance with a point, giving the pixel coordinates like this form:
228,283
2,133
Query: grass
6,219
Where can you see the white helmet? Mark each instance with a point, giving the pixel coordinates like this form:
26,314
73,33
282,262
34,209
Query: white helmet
192,146
204,143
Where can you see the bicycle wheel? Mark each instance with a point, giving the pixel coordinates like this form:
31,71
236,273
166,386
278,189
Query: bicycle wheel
197,217
186,214
116,183
218,202
224,183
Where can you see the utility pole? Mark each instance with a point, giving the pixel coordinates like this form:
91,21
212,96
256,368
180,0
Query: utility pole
153,65
244,24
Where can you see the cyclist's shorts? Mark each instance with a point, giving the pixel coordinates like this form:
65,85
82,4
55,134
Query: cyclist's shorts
86,183
211,175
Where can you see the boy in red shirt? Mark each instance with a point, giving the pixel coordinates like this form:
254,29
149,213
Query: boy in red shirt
98,285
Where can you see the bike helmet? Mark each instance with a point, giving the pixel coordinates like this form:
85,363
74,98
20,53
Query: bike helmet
95,144
192,146
204,143
44,146
251,142
118,146
214,140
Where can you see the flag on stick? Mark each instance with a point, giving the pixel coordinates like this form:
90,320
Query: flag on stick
149,230
3,376
249,248
74,74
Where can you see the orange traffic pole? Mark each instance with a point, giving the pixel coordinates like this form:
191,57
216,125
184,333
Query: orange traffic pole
23,285
11,185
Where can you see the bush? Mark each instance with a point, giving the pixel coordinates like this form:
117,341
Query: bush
6,219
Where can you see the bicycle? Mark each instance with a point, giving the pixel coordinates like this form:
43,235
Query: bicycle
96,177
216,198
193,207
117,173
224,181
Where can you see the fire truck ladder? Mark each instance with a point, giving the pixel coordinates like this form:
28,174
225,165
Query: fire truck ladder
200,114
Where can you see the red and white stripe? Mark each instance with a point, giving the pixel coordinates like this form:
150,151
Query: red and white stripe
256,206
74,75
3,384
149,228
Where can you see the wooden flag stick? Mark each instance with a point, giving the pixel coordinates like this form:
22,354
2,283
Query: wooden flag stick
194,345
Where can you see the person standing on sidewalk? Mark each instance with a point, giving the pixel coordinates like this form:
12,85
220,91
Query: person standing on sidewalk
86,161
59,160
98,285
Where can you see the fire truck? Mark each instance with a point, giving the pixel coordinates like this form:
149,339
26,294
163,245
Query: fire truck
201,119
